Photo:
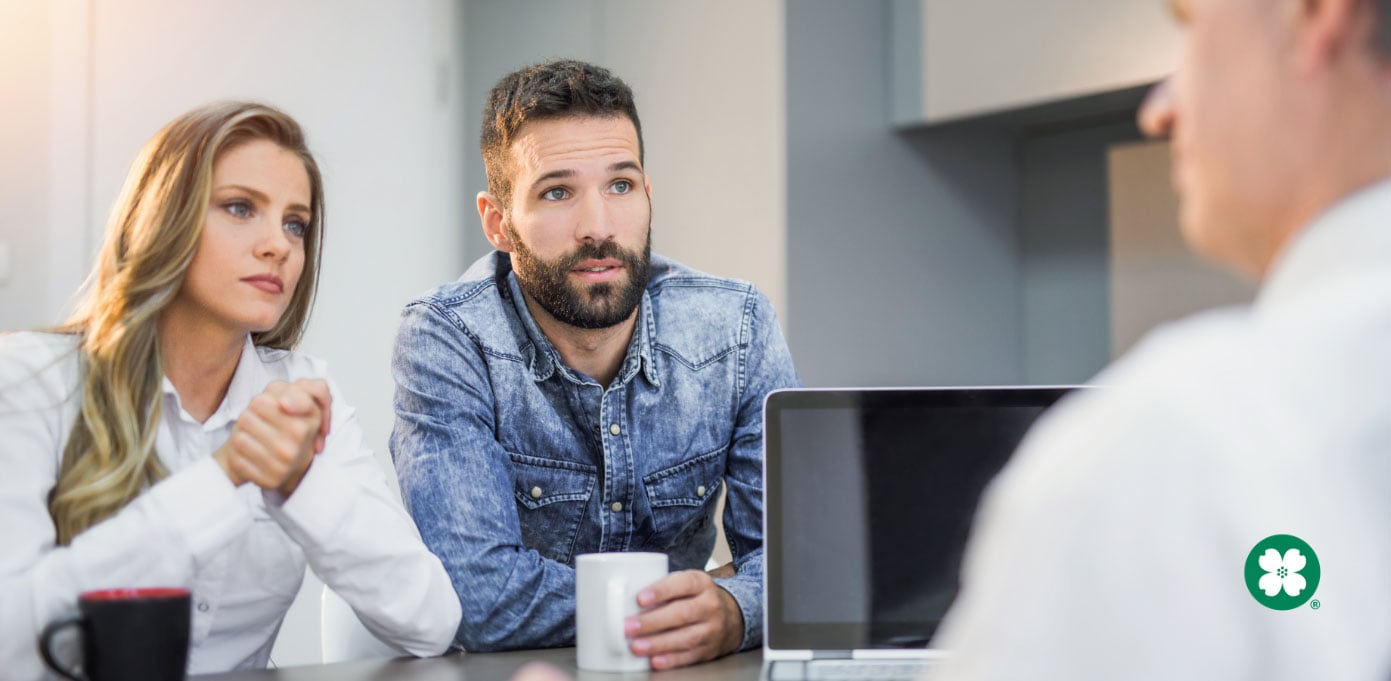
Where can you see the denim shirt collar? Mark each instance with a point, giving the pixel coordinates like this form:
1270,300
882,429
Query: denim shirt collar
544,360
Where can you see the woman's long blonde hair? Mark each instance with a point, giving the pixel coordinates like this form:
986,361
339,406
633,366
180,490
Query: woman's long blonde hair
150,240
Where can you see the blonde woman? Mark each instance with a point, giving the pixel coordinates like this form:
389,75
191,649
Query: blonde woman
169,435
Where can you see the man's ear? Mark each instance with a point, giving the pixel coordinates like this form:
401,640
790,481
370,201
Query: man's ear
491,212
647,184
1326,29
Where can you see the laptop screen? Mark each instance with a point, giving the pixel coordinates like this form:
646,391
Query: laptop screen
870,498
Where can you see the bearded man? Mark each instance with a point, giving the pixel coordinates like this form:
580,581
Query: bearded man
573,393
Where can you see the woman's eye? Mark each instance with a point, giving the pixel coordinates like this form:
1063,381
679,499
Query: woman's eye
623,186
296,227
555,194
239,209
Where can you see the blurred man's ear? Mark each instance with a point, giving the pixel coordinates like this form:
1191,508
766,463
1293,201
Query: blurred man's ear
1326,29
491,212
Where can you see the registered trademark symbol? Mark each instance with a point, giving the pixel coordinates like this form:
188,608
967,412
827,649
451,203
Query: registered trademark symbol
1315,604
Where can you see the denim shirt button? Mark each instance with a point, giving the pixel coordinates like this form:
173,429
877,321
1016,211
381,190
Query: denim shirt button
614,429
700,491
617,505
535,492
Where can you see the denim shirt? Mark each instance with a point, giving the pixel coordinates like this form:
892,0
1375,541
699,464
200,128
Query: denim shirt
512,463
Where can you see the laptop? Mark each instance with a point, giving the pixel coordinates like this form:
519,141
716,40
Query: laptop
870,495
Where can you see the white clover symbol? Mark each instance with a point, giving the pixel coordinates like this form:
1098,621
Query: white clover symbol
1282,572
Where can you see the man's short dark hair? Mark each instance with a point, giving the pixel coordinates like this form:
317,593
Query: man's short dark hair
559,88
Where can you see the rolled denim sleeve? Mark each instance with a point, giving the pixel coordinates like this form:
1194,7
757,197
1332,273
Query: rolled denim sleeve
456,481
767,367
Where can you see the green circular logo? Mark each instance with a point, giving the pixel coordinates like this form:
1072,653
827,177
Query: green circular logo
1282,572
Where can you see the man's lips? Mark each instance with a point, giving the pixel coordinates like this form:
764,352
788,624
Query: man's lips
598,271
266,282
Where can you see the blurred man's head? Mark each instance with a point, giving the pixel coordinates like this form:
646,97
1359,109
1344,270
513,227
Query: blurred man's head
1277,109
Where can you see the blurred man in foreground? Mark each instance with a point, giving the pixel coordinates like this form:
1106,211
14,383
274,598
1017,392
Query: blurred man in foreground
1221,510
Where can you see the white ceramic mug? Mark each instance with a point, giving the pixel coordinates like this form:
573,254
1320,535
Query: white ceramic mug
606,592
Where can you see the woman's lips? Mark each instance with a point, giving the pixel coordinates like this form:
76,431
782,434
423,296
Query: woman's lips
266,282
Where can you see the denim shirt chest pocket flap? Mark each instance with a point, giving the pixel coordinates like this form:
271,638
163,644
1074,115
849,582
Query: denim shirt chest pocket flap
678,494
552,496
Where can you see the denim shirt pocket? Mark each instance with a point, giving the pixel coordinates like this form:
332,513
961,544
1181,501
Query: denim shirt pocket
683,496
551,498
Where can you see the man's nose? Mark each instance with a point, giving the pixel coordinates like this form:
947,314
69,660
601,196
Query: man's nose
1156,115
592,221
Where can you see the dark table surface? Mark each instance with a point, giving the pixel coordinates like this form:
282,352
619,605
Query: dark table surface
493,667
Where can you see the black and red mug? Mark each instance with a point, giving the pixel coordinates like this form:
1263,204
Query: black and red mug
127,635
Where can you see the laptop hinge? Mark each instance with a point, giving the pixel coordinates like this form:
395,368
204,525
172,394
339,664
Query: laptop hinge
831,654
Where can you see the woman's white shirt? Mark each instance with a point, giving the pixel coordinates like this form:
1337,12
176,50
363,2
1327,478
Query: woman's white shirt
241,551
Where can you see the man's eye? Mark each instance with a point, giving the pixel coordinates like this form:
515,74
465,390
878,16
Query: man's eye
238,209
555,194
622,186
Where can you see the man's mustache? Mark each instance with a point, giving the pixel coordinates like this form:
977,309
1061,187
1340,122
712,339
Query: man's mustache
599,251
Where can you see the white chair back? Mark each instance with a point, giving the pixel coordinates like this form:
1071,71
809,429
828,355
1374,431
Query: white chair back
343,636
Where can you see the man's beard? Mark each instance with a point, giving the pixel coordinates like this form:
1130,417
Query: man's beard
596,306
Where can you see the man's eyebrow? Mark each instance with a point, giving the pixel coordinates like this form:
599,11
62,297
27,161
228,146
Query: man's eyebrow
625,165
553,175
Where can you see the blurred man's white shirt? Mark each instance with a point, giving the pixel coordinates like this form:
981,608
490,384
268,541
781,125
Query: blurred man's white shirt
1114,546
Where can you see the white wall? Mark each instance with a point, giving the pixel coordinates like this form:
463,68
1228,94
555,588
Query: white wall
709,78
25,58
374,84
43,189
980,56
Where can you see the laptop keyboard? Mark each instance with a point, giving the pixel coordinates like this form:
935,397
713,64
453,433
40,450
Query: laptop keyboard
875,670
